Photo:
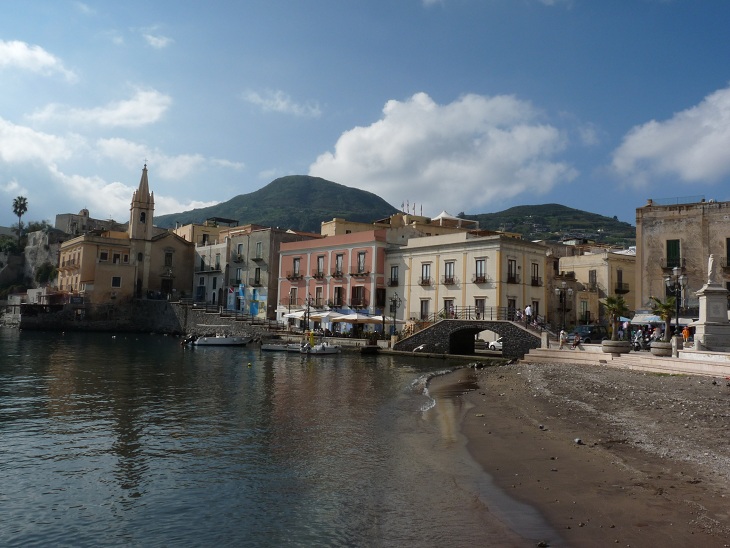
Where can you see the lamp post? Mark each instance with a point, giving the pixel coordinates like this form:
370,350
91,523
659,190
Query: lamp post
563,293
395,303
676,282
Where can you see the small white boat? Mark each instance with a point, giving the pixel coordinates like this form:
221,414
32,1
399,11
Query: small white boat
220,340
281,347
321,348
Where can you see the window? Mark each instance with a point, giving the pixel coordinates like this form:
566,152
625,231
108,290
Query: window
479,307
116,281
448,308
425,274
393,276
480,270
361,262
239,249
592,278
512,271
320,264
296,266
201,281
168,259
104,255
259,250
202,263
142,217
535,274
337,296
140,257
239,275
318,292
217,261
125,258
449,272
117,258
257,276
338,263
673,254
292,295
425,309
358,297
584,312
215,282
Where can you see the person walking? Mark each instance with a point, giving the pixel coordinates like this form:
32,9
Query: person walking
685,334
563,336
528,314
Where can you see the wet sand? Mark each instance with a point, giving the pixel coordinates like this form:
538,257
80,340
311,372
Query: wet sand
606,456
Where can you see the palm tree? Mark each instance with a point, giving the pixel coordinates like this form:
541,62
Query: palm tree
665,310
20,207
615,308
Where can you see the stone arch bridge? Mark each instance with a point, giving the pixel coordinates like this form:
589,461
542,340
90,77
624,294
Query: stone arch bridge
458,336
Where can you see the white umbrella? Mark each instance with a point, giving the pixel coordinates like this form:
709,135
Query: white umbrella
327,315
357,318
299,314
388,320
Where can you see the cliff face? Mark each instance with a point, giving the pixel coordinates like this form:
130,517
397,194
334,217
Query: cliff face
42,247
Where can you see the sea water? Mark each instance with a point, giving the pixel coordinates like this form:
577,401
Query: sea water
135,440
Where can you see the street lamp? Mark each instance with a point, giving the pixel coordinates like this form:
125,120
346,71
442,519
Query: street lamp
395,303
564,293
676,282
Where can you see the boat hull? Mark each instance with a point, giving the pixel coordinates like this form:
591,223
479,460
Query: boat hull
221,341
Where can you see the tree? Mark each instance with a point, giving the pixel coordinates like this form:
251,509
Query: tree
20,207
665,310
615,308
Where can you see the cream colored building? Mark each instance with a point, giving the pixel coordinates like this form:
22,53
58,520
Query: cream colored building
680,235
114,266
596,275
467,274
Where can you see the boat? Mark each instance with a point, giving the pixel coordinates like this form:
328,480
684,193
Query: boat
321,348
280,347
220,340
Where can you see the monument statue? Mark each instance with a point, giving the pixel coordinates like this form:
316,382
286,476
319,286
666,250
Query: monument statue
711,275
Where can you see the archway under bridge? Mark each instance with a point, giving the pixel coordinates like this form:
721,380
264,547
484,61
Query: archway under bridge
453,336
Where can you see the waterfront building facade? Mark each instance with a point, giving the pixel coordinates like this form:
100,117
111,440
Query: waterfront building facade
114,266
473,274
681,235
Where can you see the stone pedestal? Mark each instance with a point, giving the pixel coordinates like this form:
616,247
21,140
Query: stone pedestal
712,330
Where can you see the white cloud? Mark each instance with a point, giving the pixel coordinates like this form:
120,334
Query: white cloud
14,188
33,58
22,144
83,8
278,101
157,42
461,156
145,107
134,154
692,145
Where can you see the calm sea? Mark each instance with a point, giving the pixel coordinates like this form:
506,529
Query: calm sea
133,440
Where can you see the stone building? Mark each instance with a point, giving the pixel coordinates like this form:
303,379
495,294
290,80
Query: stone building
114,266
680,235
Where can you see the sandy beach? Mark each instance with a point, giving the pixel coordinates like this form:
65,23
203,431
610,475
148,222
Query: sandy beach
607,456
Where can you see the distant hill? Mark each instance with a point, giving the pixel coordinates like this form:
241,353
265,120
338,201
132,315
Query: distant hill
555,221
299,202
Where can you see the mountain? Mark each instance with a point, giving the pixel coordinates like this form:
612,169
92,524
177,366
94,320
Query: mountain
555,221
299,202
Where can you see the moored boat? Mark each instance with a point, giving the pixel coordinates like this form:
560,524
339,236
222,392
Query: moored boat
221,340
321,348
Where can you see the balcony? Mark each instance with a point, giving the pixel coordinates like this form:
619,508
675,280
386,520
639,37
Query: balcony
236,281
536,282
513,278
668,263
257,258
334,303
255,282
209,268
479,278
318,303
358,303
392,282
293,276
337,274
318,274
237,258
621,288
448,280
359,274
425,281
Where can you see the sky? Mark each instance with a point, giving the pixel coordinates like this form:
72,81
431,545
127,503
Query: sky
463,106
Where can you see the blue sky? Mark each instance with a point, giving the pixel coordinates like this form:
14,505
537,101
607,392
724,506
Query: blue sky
460,105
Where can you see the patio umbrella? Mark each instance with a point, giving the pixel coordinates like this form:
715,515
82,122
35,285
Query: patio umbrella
299,314
356,317
388,320
327,315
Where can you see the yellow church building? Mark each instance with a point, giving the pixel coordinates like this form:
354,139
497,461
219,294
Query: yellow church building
113,266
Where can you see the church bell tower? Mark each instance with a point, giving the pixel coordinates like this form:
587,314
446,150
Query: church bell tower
142,210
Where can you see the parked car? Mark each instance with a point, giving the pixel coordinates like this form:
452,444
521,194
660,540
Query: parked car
589,334
496,345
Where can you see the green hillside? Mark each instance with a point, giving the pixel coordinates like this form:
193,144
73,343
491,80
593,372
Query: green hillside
555,221
298,202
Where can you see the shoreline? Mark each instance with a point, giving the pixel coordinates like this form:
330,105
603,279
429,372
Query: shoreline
606,456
